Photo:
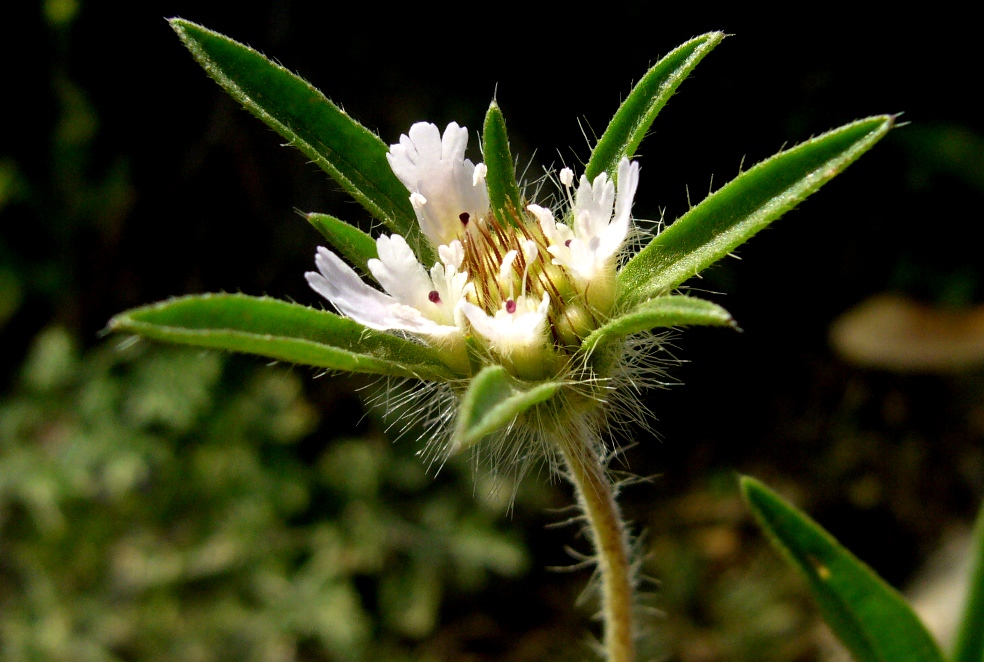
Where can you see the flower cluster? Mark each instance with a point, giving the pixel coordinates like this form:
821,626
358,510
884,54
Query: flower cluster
525,287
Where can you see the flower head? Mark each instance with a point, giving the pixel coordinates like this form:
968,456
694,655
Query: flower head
525,291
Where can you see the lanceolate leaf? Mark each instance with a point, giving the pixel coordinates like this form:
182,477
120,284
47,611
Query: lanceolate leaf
970,638
282,331
355,245
665,311
636,114
493,401
871,619
504,193
731,215
352,154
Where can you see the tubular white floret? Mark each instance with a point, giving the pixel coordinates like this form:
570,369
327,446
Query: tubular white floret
408,304
446,189
601,217
517,327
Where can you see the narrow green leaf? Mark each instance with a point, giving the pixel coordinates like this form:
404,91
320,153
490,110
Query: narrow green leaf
493,401
636,114
731,215
970,637
352,154
869,617
504,193
665,311
283,331
352,243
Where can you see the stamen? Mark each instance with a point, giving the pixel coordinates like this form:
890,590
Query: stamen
529,254
463,217
567,177
434,296
567,243
529,250
510,306
505,271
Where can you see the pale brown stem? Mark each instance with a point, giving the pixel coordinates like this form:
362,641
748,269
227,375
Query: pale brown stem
594,493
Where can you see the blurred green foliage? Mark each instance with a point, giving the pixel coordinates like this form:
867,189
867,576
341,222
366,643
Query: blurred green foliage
153,506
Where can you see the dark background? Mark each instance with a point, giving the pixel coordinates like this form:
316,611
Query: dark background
184,192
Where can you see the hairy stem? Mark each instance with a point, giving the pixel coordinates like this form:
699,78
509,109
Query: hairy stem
608,534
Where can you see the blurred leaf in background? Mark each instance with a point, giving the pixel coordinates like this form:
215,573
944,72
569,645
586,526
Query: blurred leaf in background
153,506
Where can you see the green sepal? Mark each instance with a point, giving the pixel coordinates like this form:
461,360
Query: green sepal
504,196
870,618
661,312
283,331
493,401
633,118
969,646
352,243
733,214
353,155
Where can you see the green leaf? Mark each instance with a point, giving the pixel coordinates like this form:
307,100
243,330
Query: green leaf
665,311
282,331
731,215
970,637
636,114
352,154
354,245
869,617
493,401
504,196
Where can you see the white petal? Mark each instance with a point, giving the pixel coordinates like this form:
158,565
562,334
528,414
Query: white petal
546,219
612,236
356,300
353,298
453,254
530,250
481,323
398,271
481,170
593,206
505,271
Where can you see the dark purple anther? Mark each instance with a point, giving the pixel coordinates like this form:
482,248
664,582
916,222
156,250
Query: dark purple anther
567,243
463,217
434,297
510,306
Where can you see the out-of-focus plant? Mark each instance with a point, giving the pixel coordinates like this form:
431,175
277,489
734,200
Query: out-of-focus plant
532,324
75,199
153,506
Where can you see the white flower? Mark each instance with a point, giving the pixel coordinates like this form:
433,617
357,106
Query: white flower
447,190
415,301
518,326
586,249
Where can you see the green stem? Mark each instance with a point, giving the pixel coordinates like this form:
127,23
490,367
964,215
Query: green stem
970,637
608,534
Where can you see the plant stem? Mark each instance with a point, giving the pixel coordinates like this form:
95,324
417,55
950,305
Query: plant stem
608,534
